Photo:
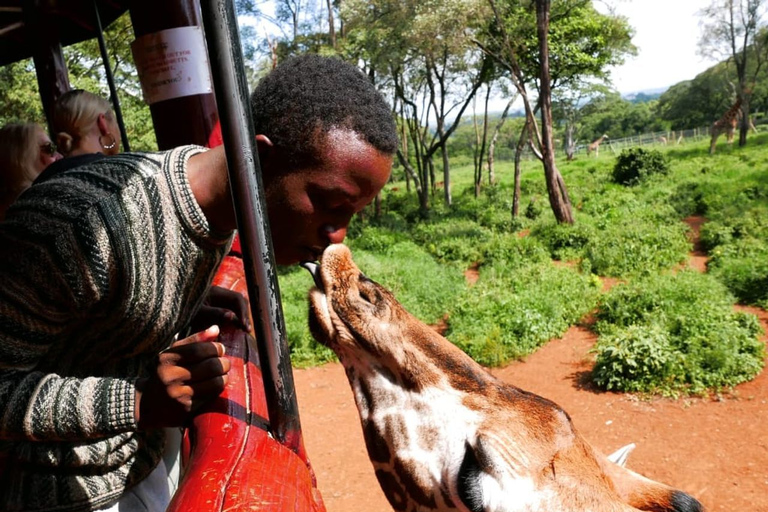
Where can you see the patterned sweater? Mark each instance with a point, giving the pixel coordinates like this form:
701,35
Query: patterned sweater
100,266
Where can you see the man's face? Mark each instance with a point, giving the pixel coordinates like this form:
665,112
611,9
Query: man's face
310,208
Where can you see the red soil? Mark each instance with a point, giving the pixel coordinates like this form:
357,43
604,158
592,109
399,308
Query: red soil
714,448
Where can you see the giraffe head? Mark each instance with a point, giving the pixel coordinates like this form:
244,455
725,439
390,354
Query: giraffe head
445,435
359,319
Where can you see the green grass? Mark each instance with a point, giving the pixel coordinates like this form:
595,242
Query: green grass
664,332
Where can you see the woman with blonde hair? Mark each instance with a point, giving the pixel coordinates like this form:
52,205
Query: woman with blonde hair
25,150
85,124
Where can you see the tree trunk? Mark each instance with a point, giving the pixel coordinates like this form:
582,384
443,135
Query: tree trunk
570,144
518,156
484,139
558,196
331,27
446,177
744,122
476,161
495,138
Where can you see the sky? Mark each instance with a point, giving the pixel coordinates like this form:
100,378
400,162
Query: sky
667,33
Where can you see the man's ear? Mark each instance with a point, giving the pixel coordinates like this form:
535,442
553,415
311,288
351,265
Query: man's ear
263,146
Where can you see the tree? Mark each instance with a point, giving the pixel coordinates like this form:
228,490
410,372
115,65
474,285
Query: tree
558,194
567,104
729,29
420,52
584,43
19,94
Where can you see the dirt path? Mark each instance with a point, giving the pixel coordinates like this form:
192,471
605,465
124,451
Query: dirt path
716,449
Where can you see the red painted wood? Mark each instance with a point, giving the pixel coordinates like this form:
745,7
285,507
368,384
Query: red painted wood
231,461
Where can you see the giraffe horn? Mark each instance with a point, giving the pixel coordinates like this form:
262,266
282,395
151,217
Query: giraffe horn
313,269
621,455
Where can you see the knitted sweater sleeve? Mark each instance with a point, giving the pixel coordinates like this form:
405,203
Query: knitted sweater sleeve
68,256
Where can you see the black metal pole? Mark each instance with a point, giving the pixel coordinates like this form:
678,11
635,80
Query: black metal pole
227,70
110,79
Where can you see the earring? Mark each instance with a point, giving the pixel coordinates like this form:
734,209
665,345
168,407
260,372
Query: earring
111,144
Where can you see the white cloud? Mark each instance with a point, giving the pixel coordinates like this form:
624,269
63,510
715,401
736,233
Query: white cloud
667,33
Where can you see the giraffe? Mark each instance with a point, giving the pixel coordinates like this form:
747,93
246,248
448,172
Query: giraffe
726,124
595,145
445,435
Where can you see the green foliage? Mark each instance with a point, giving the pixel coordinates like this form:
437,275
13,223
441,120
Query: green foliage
674,334
565,241
660,333
739,249
452,241
19,94
423,285
512,310
609,113
638,247
635,164
295,283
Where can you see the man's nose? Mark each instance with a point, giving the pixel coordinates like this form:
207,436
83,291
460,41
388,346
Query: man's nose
335,234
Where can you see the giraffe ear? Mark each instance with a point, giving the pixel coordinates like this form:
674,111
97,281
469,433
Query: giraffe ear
468,485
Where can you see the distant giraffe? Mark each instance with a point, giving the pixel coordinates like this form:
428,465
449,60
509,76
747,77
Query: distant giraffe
726,124
595,146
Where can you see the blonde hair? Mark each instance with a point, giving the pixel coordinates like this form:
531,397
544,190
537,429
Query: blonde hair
74,113
18,153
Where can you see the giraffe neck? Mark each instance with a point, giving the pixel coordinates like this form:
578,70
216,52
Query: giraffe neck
731,115
404,425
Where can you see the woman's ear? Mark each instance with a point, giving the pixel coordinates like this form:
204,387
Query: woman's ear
103,123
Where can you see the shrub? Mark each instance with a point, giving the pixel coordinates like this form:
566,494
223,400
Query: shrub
688,199
564,241
452,240
511,311
673,334
743,267
635,164
637,247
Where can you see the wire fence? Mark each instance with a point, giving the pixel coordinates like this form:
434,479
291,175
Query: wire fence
667,138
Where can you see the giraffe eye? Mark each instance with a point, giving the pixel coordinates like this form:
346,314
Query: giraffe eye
367,290
366,295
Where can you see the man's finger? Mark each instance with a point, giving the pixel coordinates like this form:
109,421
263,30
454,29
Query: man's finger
208,368
209,334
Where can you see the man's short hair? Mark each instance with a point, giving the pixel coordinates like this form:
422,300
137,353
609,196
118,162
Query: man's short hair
304,97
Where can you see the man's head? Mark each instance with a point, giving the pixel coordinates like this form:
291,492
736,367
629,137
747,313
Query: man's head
326,142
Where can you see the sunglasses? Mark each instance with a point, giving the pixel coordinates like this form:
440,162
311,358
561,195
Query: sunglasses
48,148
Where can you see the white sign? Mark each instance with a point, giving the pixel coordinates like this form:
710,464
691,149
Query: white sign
172,63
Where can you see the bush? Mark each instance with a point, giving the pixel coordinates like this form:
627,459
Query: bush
674,334
452,240
637,247
512,311
743,267
564,241
635,164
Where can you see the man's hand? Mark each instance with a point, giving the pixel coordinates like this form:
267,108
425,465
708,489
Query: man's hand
220,306
189,372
